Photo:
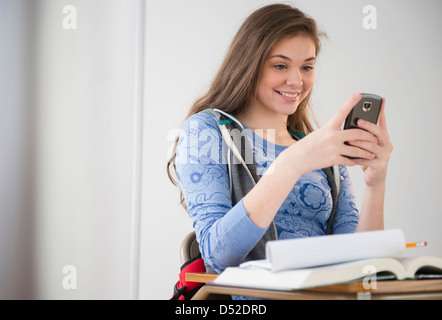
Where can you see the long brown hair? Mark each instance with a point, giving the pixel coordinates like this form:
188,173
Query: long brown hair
238,76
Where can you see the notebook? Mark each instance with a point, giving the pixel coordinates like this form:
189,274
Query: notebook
323,250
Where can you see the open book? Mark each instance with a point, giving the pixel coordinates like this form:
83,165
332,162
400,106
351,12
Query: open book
324,260
387,268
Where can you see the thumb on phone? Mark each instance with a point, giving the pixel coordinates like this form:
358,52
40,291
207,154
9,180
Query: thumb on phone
340,115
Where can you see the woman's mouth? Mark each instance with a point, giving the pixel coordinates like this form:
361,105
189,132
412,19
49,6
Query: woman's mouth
291,96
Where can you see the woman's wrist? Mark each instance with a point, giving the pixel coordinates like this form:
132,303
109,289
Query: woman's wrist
292,160
375,182
267,196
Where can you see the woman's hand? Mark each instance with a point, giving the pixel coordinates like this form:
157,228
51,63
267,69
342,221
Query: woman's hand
375,170
327,146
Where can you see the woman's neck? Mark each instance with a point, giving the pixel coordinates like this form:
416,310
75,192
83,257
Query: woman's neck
270,126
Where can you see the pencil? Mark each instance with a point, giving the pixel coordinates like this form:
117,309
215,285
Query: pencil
416,244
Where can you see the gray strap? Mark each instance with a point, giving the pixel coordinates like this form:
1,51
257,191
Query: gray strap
337,176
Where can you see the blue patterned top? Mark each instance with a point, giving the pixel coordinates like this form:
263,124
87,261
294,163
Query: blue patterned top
224,232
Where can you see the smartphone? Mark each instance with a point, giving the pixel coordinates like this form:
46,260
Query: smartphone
368,109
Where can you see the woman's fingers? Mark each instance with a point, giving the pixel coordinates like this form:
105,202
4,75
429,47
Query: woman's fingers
356,152
342,113
371,147
380,133
345,161
379,129
382,121
358,134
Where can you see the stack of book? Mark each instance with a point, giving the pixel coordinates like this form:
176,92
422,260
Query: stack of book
326,260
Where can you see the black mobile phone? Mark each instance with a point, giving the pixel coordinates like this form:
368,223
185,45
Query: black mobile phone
368,109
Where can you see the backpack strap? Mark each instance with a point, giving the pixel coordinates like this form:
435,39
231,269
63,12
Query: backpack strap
241,166
337,176
237,142
333,178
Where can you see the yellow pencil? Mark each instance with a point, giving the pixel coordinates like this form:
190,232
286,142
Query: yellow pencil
416,244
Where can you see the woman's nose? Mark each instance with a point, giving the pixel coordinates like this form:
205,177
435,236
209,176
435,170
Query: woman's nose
294,79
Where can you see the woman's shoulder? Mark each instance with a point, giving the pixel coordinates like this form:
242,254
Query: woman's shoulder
201,127
205,119
200,137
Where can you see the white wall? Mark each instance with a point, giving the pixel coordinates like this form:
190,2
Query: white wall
83,113
400,60
86,101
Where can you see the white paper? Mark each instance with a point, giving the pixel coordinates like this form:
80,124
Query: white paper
324,250
257,264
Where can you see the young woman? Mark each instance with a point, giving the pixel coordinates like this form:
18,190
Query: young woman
263,87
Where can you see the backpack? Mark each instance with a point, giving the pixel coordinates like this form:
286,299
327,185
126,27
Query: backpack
185,290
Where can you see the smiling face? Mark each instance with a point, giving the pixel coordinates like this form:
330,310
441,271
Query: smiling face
286,78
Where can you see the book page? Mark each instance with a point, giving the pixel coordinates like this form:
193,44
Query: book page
262,279
252,275
430,264
324,250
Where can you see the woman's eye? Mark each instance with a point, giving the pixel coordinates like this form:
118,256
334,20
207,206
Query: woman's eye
307,68
280,66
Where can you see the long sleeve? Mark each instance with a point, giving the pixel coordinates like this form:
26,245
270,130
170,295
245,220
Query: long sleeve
224,232
347,215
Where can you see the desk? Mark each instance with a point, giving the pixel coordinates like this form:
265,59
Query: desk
385,290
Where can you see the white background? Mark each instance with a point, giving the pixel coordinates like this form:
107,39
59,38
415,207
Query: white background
89,115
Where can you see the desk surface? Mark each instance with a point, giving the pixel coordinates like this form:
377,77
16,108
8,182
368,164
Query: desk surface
385,289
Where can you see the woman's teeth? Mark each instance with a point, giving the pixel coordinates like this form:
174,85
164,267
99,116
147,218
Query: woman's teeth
288,95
